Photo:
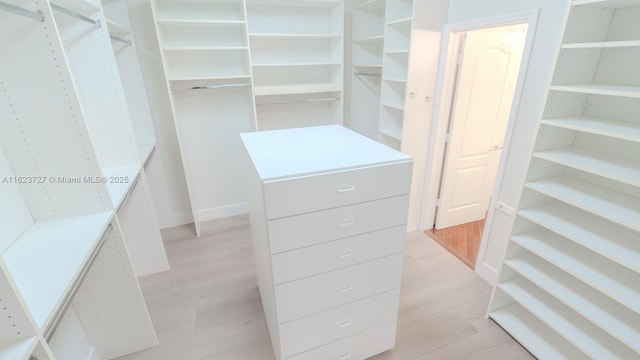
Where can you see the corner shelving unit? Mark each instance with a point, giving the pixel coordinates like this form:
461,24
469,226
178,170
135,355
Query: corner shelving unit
205,53
570,283
297,62
368,29
397,42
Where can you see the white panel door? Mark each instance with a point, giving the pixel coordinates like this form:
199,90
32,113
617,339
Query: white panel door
486,84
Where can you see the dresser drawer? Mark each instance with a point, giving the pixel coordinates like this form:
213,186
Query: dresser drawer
312,260
307,296
311,193
355,347
322,226
309,332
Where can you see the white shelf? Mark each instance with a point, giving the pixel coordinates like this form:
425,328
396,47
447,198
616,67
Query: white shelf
296,64
369,39
615,281
396,80
209,78
611,205
602,45
17,349
534,334
619,321
370,5
83,7
294,36
394,106
403,21
117,29
615,168
45,260
297,89
600,89
394,133
607,3
611,128
613,242
117,183
573,327
203,22
205,48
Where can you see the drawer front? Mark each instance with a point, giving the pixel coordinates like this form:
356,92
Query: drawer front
318,192
307,296
356,347
331,325
312,260
323,226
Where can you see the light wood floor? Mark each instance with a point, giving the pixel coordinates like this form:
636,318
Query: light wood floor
463,240
207,306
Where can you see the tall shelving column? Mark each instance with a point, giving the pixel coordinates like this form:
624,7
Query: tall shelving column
367,46
397,42
297,61
205,53
569,287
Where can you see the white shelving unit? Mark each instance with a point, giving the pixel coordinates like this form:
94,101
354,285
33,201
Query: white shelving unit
570,283
397,41
297,62
205,52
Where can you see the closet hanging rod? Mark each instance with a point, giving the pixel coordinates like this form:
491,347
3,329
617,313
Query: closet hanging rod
124,41
357,73
36,15
68,299
75,14
211,87
300,101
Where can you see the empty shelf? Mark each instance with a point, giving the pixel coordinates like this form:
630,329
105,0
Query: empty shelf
369,38
396,80
607,3
615,168
394,133
615,129
119,181
370,5
603,237
297,89
600,89
17,349
205,48
117,29
587,337
296,64
295,36
537,337
403,21
204,22
617,282
617,320
614,206
394,106
46,260
602,44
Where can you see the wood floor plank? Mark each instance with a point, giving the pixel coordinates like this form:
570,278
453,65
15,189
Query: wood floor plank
207,306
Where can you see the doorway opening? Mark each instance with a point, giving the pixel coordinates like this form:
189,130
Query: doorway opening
484,72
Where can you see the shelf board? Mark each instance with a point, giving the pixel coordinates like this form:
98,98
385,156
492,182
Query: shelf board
615,319
17,349
611,167
117,187
536,336
369,39
403,21
600,89
395,80
607,3
211,78
397,52
394,106
602,45
83,7
600,236
370,5
294,36
615,281
205,48
296,64
305,3
369,69
566,322
191,22
394,133
611,128
46,260
608,204
297,89
117,29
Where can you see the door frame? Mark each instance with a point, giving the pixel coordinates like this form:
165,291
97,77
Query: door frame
442,109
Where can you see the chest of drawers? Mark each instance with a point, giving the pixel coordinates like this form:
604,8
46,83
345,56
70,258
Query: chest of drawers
328,214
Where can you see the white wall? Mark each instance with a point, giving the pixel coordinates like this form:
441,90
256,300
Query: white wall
538,77
174,210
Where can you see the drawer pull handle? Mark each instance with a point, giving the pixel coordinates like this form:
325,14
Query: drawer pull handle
344,323
345,255
343,356
345,289
344,224
346,190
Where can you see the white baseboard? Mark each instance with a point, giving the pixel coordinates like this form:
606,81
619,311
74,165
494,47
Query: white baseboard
488,273
224,211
